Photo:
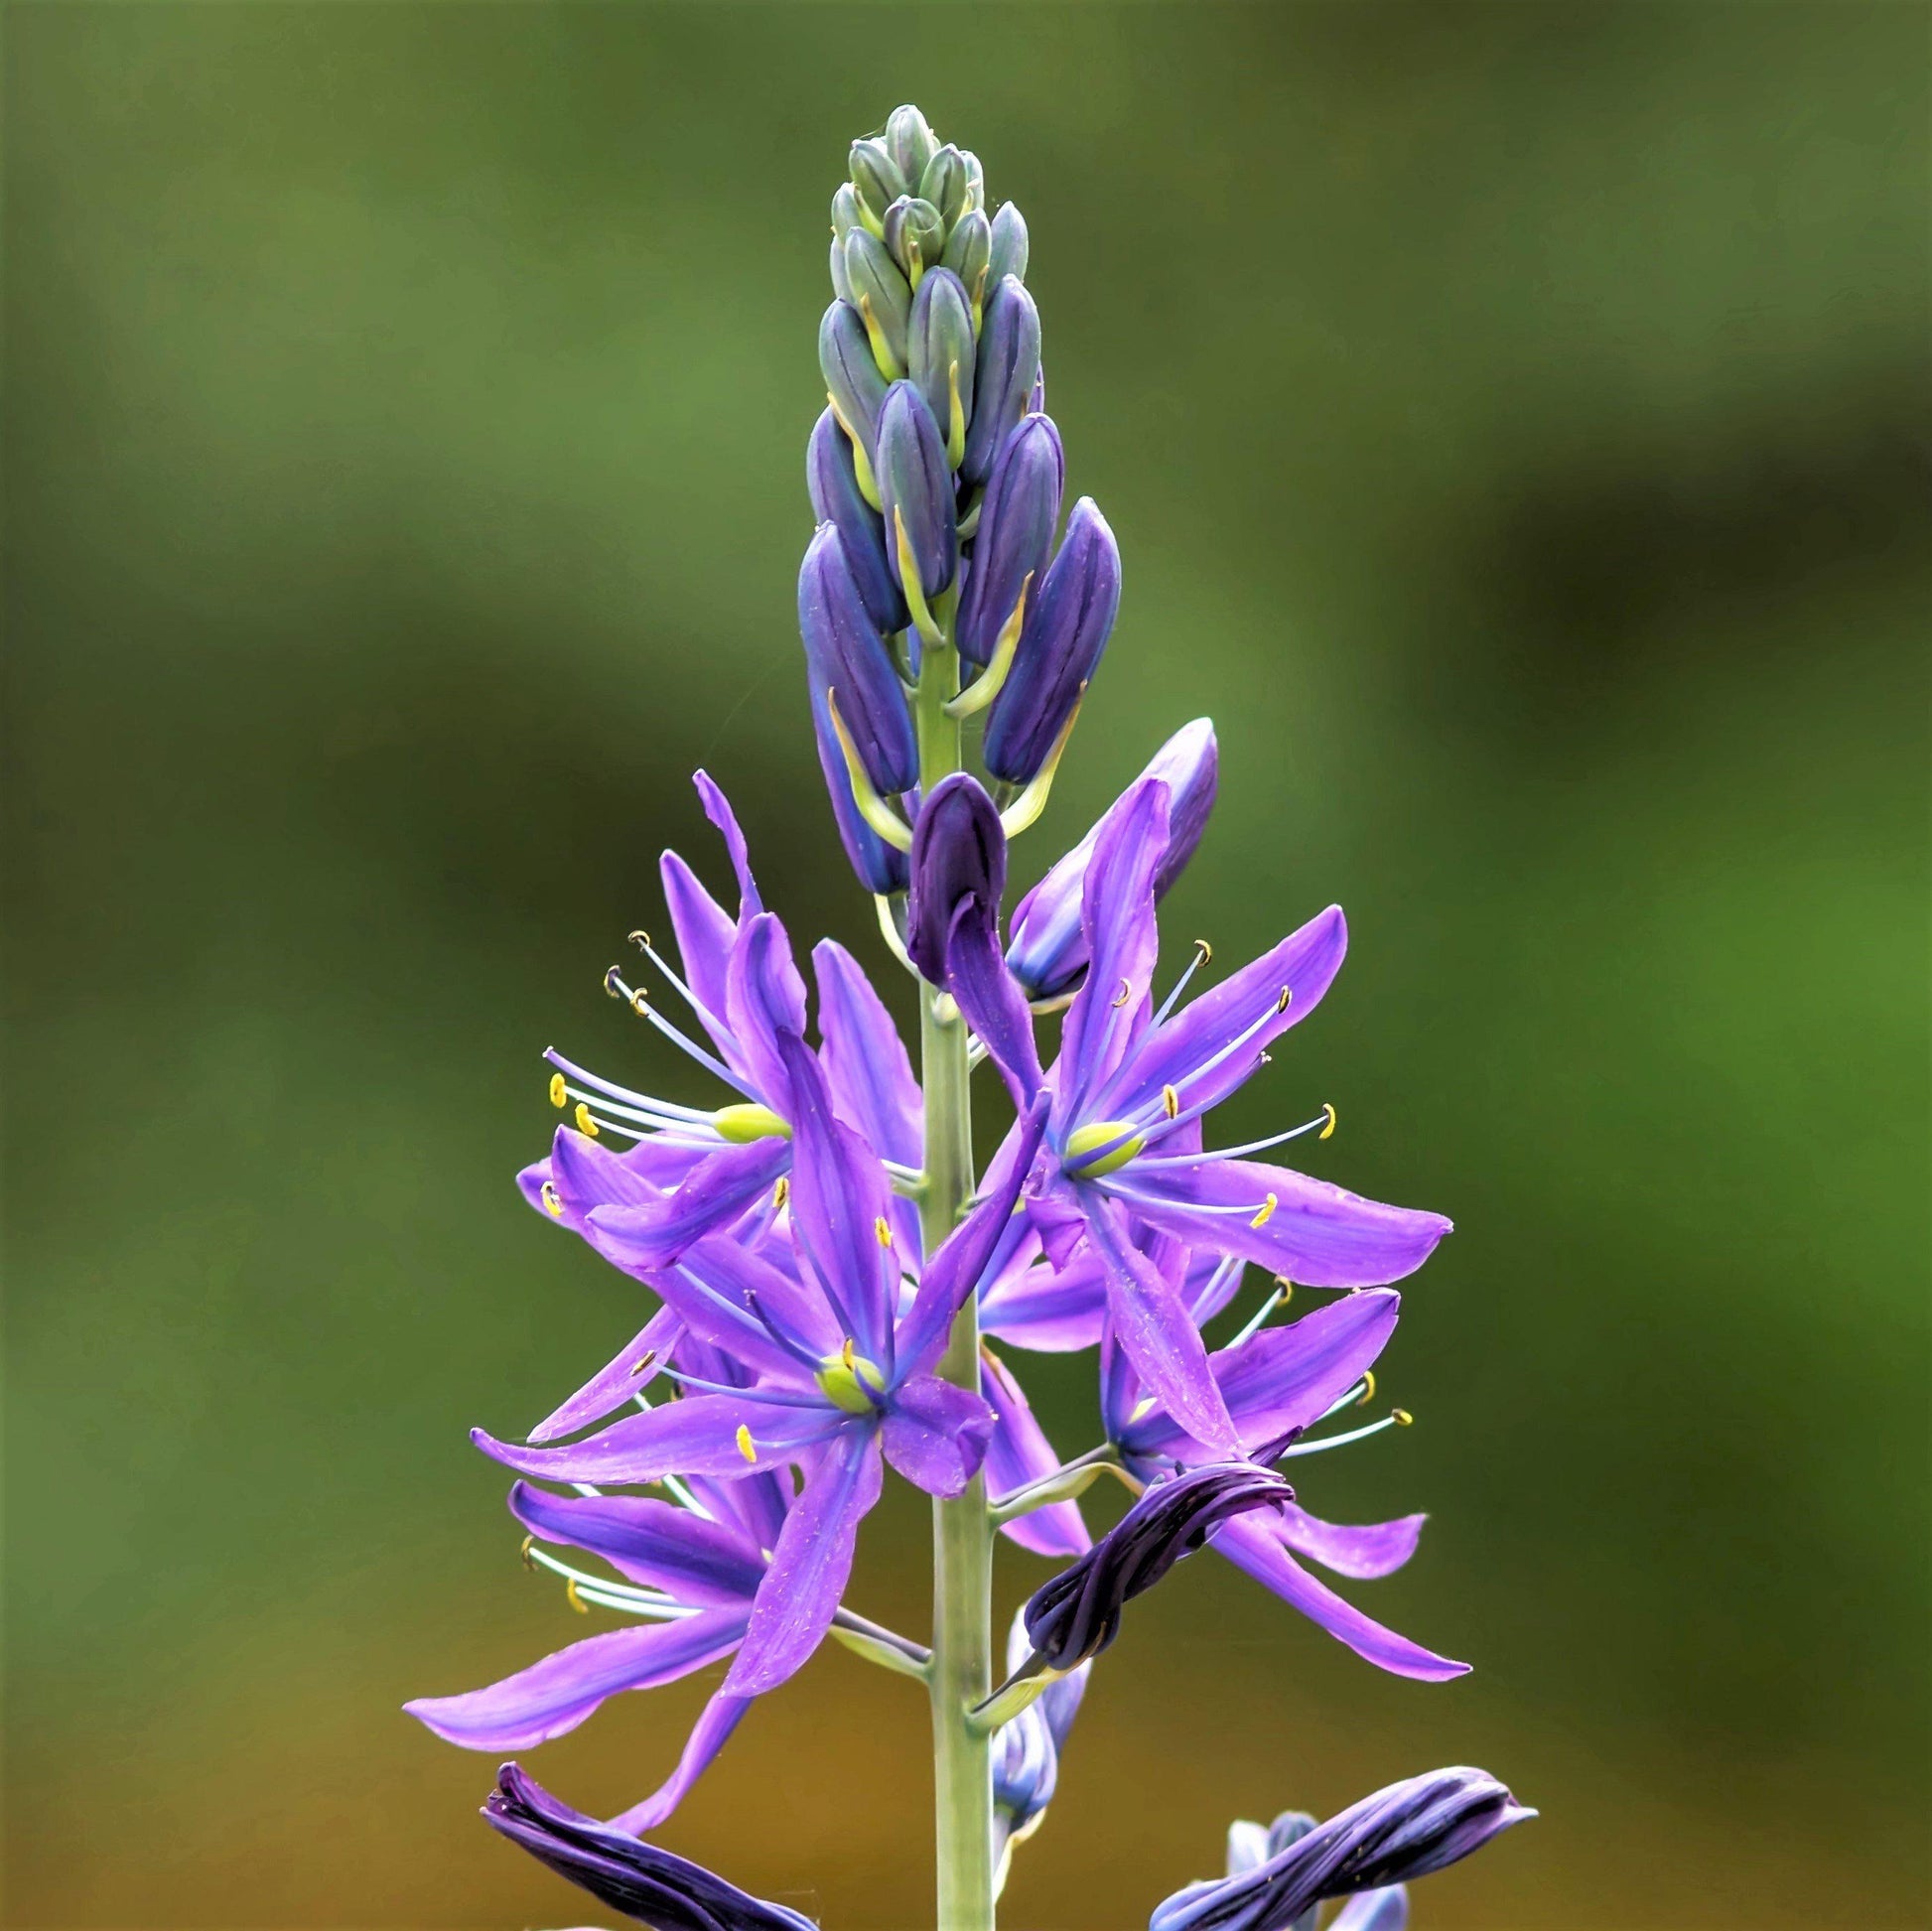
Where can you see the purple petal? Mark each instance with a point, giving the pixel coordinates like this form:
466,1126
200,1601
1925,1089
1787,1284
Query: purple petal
1177,1054
721,1187
697,1435
1018,1455
719,1718
764,997
705,933
1364,1551
865,1063
812,1563
559,1693
1117,916
633,1369
1158,1333
1249,1547
718,809
656,1544
1314,1233
1047,1312
958,858
936,1434
992,1000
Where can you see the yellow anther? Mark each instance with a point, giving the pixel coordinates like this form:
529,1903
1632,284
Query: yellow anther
882,1230
1285,999
1264,1214
1368,1388
644,1361
1286,1287
849,1354
641,940
1205,950
782,1192
553,1203
1169,1102
575,1601
585,1124
1330,1127
745,1446
1142,1409
639,1003
1401,1417
613,982
558,1093
523,1554
1124,995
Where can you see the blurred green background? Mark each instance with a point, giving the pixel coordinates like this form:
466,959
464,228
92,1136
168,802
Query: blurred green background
1513,420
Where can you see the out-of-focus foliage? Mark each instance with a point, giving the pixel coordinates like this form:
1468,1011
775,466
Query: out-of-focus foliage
1512,420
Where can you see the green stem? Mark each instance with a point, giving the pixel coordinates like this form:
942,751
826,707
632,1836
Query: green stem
961,1671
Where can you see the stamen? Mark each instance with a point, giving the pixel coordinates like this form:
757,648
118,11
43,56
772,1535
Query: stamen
523,1554
1235,1152
782,1192
575,1601
686,1499
1265,1213
641,939
1169,1102
1401,1417
559,1092
849,1354
585,1124
1286,1287
1231,1263
882,1230
745,1446
639,1366
1282,1002
1330,1127
1203,952
1354,1435
616,986
1260,1320
1368,1388
631,1599
1124,995
553,1201
613,1098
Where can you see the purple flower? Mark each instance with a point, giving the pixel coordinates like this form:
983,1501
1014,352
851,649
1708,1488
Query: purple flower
1069,617
845,654
1026,1750
1046,948
1276,1384
1006,368
691,1571
843,1366
1077,1615
832,482
1405,1831
958,871
1123,1141
1015,536
655,1887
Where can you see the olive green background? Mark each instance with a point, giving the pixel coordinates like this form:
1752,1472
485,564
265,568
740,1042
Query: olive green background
1513,421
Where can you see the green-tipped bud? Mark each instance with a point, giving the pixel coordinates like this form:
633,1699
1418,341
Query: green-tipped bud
879,180
969,254
939,356
845,210
975,179
841,281
916,238
944,183
883,298
1008,246
910,141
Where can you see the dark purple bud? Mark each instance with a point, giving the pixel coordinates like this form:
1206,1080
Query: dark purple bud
1003,384
655,1887
851,373
1401,1832
833,483
881,868
940,348
1009,238
1018,517
1046,948
1077,1614
915,487
959,868
915,235
845,653
1069,617
883,297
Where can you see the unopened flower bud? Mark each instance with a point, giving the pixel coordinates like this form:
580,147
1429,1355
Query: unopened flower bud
959,855
1003,383
940,351
845,653
969,249
845,210
1069,617
916,236
1009,245
883,298
1018,517
881,868
944,183
878,179
851,373
841,281
975,179
832,482
1046,948
915,493
910,141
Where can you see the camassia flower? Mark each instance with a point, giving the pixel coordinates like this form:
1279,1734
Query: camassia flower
1126,1094
690,1172
844,1373
656,1887
1278,1383
1027,1751
1252,1845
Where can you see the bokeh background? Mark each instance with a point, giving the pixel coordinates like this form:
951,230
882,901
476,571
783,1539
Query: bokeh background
1513,419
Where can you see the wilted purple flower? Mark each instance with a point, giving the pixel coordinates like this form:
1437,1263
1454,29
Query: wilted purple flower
1077,1614
1399,1834
1069,617
958,870
939,354
833,484
852,375
1130,1087
1252,1845
1007,366
845,654
1047,946
652,1885
1027,1751
916,494
1014,537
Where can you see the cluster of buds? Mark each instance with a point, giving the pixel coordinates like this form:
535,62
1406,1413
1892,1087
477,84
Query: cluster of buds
936,478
